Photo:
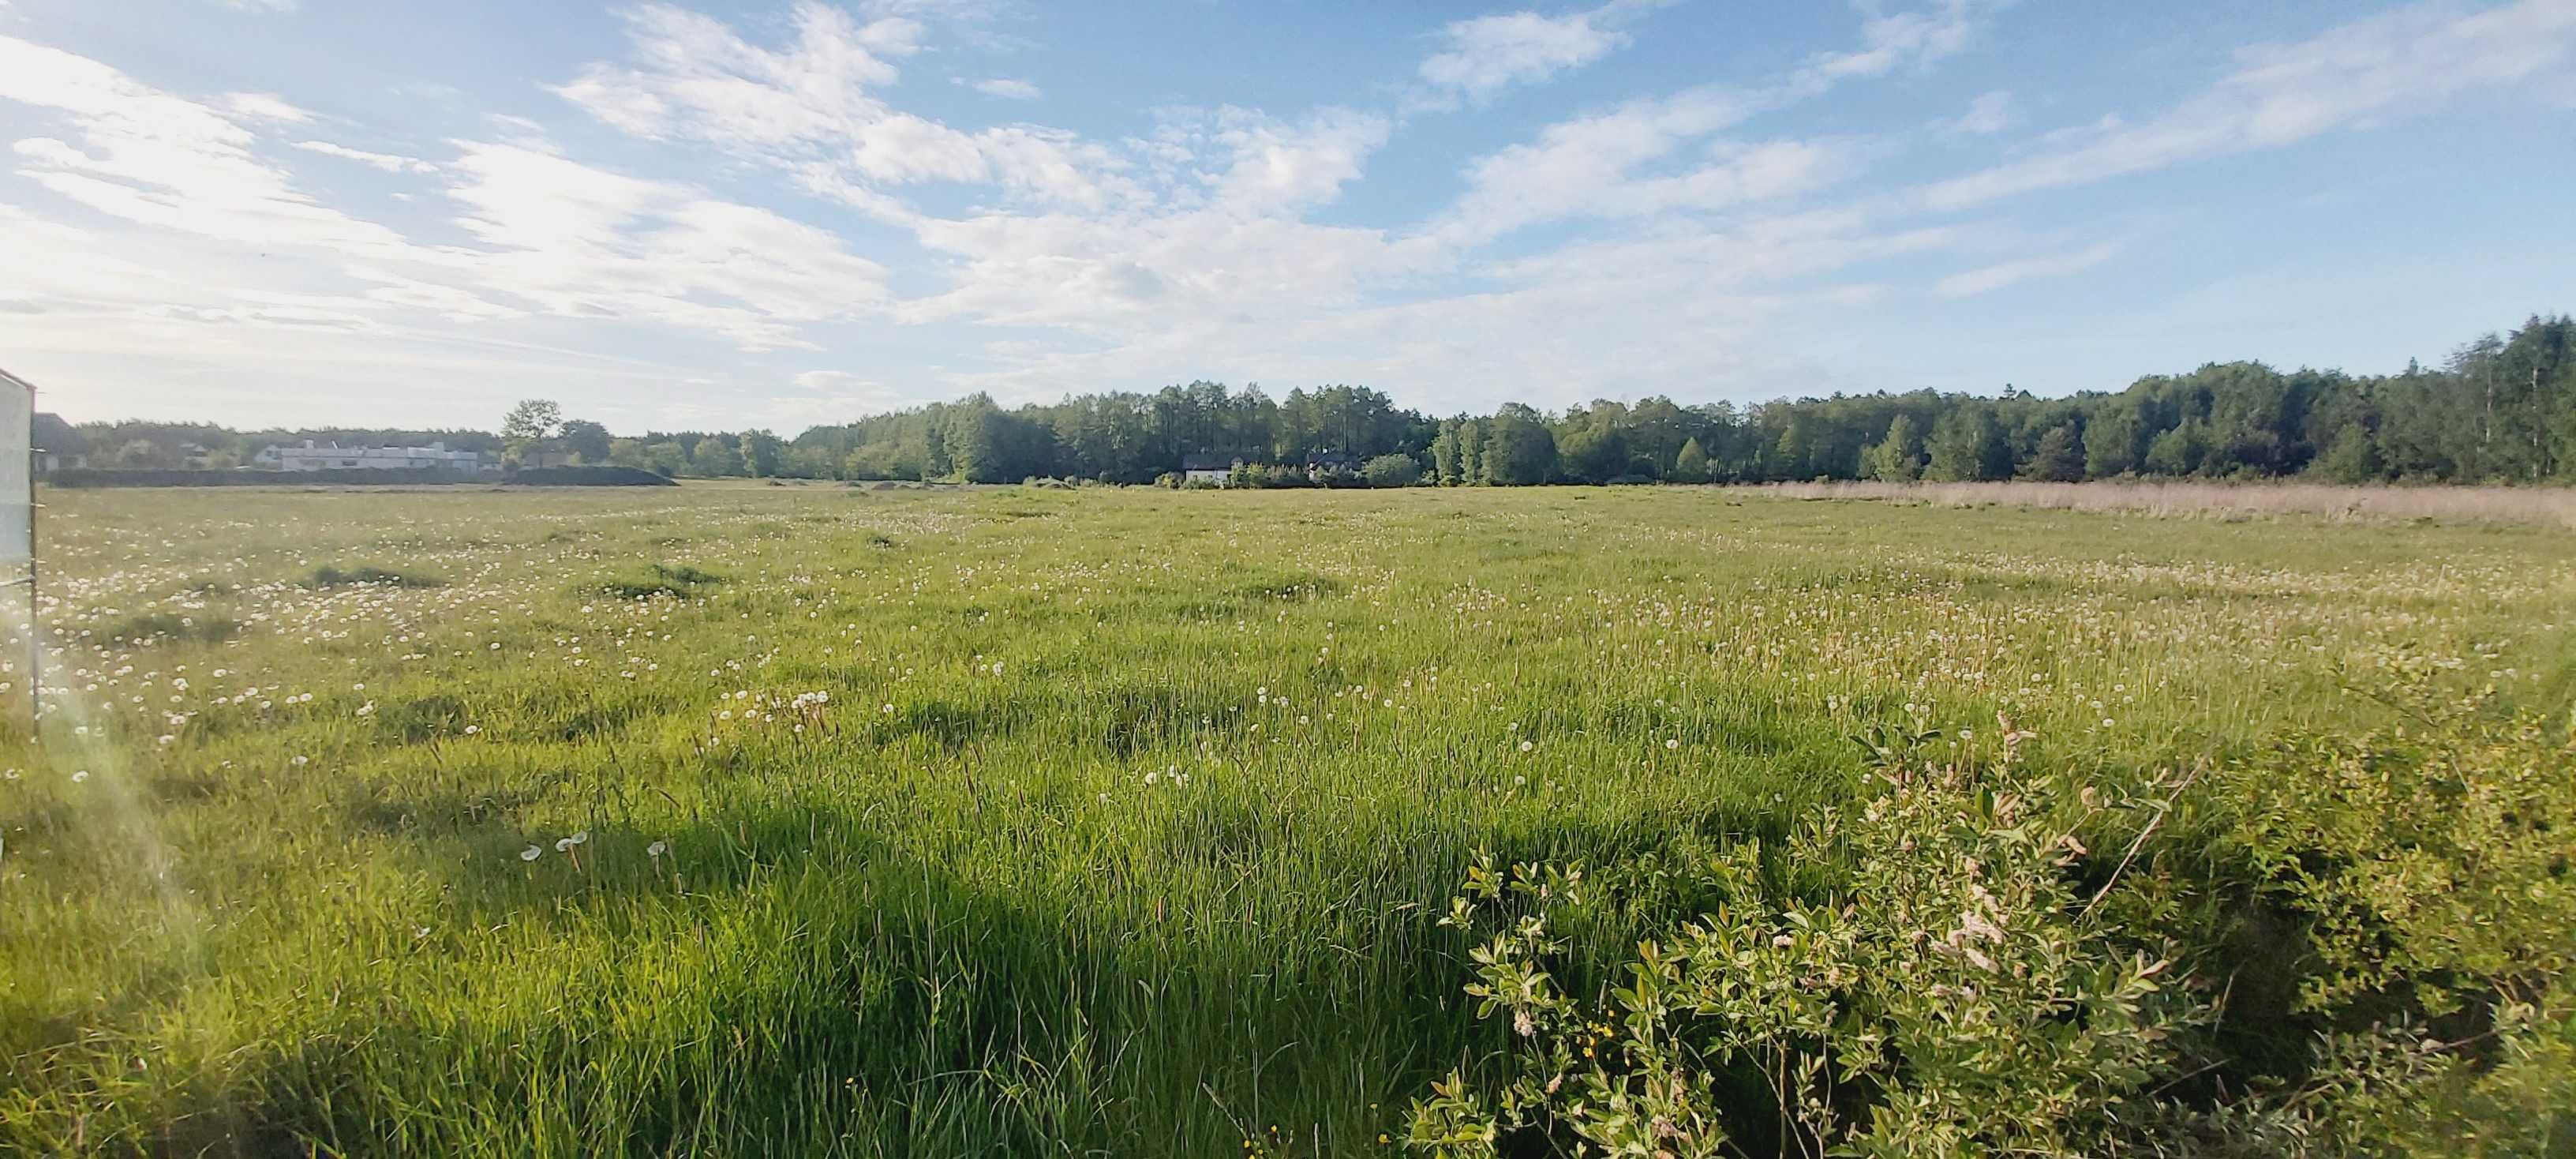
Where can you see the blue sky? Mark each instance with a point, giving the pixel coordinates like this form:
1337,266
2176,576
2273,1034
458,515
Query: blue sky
726,214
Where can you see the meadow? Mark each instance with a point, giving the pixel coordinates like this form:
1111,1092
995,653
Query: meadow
743,820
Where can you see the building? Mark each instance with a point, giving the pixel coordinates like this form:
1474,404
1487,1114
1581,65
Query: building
1216,470
59,446
1322,463
313,456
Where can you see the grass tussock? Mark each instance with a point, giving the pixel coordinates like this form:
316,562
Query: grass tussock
338,577
147,628
677,581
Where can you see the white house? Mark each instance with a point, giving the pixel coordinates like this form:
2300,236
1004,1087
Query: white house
59,446
1213,469
313,456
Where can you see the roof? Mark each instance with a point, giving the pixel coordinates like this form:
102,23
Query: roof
51,433
1207,462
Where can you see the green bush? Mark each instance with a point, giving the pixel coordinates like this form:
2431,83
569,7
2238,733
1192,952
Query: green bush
1979,960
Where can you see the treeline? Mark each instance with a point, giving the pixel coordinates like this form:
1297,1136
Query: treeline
2501,409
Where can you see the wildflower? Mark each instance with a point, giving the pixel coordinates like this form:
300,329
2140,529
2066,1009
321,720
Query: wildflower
657,849
1527,746
531,853
471,729
80,776
1672,742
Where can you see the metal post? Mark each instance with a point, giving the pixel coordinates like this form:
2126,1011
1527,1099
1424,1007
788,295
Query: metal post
35,640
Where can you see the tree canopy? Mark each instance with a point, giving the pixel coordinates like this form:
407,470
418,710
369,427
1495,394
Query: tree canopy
2502,408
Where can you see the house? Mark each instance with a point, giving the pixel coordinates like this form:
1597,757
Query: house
1215,470
313,456
1322,463
59,446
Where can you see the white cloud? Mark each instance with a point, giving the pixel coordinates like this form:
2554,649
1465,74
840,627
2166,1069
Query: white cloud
160,160
1608,165
2392,64
385,161
2002,274
1488,54
557,237
812,106
584,242
1007,88
1893,41
1990,113
264,107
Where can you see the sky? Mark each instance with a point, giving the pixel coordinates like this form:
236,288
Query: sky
718,214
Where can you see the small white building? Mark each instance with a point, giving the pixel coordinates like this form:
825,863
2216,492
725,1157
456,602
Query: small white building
1213,469
58,445
313,456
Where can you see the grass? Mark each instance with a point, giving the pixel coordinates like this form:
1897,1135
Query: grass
2555,506
1021,821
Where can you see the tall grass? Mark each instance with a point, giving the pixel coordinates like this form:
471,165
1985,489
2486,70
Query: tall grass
2541,505
1015,821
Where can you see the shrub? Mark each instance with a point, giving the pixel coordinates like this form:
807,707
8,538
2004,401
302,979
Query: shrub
589,476
196,477
1392,471
1955,995
1974,979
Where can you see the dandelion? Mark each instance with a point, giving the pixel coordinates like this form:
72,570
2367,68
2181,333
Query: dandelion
472,729
657,849
1527,746
299,761
1672,742
531,853
79,776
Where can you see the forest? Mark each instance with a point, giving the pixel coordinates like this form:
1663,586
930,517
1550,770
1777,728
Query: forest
2500,409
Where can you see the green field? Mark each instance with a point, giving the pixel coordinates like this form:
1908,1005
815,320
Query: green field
778,820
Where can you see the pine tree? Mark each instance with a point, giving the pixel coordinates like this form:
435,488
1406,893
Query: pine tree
2059,457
